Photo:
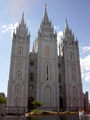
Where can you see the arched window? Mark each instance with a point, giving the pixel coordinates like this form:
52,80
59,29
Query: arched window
47,69
59,65
48,96
31,63
19,64
47,50
60,78
73,67
17,89
20,51
74,78
31,77
17,101
75,92
47,72
18,75
71,56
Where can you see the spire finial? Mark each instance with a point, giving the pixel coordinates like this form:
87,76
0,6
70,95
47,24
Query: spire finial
45,6
66,21
22,20
23,14
45,14
66,24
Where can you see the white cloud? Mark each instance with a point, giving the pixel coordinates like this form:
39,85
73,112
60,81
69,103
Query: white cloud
9,28
59,33
86,48
85,67
4,26
56,28
87,78
59,36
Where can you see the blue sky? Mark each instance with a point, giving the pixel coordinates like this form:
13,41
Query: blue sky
77,13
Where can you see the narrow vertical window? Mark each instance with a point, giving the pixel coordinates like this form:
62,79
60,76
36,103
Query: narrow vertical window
31,77
17,90
48,96
20,51
59,78
74,78
73,67
71,55
47,51
19,75
17,102
19,64
47,70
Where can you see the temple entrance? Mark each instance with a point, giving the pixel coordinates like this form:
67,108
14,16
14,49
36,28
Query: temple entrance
61,103
30,105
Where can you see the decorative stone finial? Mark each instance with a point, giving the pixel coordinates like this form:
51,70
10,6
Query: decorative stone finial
45,6
23,14
22,20
66,21
45,14
66,25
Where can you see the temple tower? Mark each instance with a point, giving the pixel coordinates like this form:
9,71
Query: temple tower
18,78
47,83
70,52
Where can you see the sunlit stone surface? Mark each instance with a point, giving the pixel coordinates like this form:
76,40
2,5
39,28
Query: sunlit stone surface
45,75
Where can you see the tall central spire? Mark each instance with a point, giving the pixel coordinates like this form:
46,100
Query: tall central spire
66,25
45,7
22,20
45,14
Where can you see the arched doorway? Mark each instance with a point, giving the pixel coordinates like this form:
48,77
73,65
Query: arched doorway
61,103
30,105
48,96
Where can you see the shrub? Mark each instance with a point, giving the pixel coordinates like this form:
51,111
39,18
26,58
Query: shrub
66,111
35,112
37,103
2,99
42,112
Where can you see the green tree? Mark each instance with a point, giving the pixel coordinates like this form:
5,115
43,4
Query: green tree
2,99
37,103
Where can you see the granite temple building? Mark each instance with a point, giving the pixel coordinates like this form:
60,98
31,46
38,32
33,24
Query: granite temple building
44,74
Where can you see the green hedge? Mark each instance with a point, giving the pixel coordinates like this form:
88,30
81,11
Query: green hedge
37,103
2,99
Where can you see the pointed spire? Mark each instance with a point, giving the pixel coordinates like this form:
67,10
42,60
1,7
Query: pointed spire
73,36
33,48
76,39
45,14
22,20
66,25
45,7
